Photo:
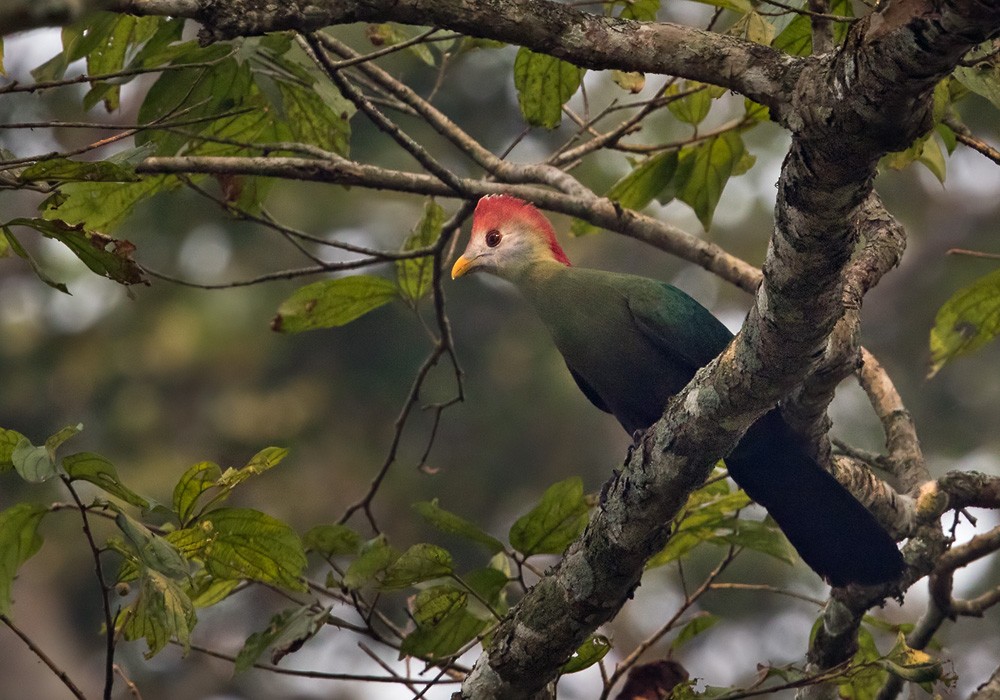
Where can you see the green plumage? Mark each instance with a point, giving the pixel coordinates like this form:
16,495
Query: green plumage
631,343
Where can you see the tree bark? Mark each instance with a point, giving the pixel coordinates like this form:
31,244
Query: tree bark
844,109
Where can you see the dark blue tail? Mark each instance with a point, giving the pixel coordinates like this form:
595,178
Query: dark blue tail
834,534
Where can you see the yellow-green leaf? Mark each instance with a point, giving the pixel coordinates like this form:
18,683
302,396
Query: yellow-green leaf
421,562
375,557
640,10
65,170
332,540
330,303
442,635
266,459
694,106
447,521
703,621
703,171
287,631
19,540
109,257
633,81
544,84
248,544
162,611
414,275
557,520
966,322
102,206
983,79
198,479
590,652
94,468
8,441
156,553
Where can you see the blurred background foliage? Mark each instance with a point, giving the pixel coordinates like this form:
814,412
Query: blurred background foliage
166,375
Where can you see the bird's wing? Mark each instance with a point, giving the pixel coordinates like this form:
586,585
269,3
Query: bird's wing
588,391
677,325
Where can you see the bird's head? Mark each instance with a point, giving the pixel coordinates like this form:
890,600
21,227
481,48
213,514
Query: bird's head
508,236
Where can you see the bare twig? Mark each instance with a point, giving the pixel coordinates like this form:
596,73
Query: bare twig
44,658
109,622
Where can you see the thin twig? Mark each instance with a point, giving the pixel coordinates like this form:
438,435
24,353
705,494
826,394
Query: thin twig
109,622
44,658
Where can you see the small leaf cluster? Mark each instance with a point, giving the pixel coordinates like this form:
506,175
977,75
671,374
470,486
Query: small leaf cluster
336,302
173,559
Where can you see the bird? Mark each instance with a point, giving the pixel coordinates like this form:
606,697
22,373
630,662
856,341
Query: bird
632,342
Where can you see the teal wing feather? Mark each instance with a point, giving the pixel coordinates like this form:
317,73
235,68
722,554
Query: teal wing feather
681,328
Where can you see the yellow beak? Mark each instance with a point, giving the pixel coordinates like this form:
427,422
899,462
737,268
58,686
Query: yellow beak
461,266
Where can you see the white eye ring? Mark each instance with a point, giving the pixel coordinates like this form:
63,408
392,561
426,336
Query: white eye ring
493,238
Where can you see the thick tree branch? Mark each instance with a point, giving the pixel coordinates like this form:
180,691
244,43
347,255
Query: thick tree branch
990,690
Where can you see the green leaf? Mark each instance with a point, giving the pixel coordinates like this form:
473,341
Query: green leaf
421,562
87,466
38,464
632,81
21,252
109,257
707,516
704,169
444,624
756,112
865,682
65,170
740,7
765,537
248,544
432,605
33,463
287,632
640,10
162,611
693,107
266,459
198,479
557,520
375,557
414,275
103,206
198,92
156,553
966,322
8,441
590,652
796,38
333,302
489,584
121,31
205,590
387,34
911,664
639,187
446,521
317,115
754,27
982,79
332,540
19,541
692,629
544,84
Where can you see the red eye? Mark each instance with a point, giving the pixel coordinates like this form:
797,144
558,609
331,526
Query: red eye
493,238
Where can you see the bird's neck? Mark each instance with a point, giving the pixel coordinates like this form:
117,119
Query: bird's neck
536,274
